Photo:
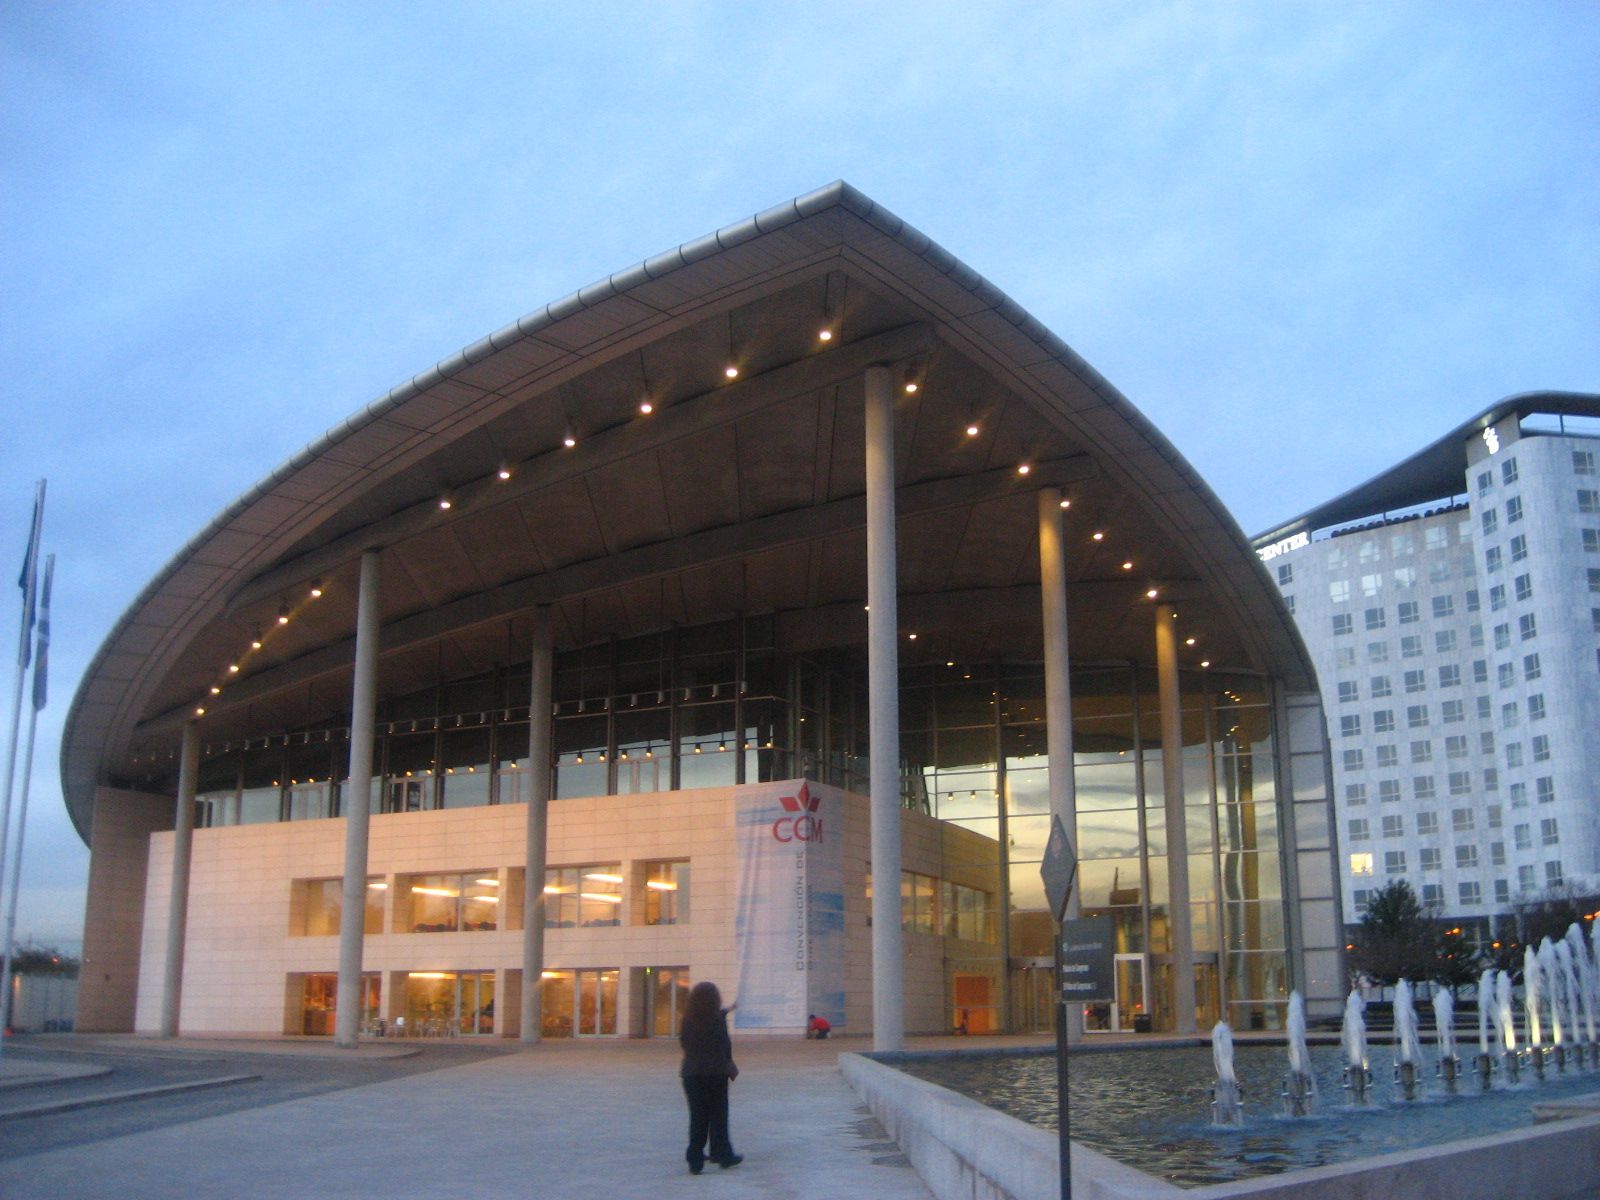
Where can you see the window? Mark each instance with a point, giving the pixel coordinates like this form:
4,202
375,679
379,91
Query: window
1405,577
1348,692
666,892
1519,795
1432,895
1549,835
1388,790
1393,826
1454,711
1591,541
1475,636
1362,897
1444,642
1461,820
1350,725
1455,746
1361,864
1353,760
967,912
1536,707
1552,875
1485,482
1402,543
917,894
321,902
1493,816
1513,510
1522,587
1440,570
1497,597
1379,686
1336,559
1544,789
1416,681
1484,707
1502,636
1427,824
1491,777
1594,618
1411,646
1377,652
1387,756
1531,669
1339,591
1359,830
1429,859
1497,854
1436,537
1460,783
1472,600
1444,606
1508,470
1588,500
1342,624
1375,618
1355,793
1528,626
1505,674
1285,574
1541,747
1416,716
1594,579
1519,547
1368,552
583,897
1480,671
1394,862
1522,837
1383,720
1583,462
1509,716
1471,895
451,903
1502,891
1525,878
1345,656
1421,752
1409,612
1491,521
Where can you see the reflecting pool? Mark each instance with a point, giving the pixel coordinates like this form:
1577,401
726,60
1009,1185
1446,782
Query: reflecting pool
1150,1108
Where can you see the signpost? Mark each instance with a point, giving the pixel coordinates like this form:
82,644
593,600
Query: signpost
1058,870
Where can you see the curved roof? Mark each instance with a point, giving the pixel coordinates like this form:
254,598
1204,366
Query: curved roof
741,495
1436,472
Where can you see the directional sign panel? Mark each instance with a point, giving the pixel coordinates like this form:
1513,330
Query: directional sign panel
1087,960
1059,867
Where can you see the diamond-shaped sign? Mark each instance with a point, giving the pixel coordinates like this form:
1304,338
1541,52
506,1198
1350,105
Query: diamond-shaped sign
1059,867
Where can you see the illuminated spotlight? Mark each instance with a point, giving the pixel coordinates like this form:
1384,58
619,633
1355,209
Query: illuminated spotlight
316,589
503,474
730,371
255,642
1127,566
646,407
444,502
1023,468
1066,504
824,334
233,668
1205,662
569,441
972,430
911,637
1098,536
1152,593
1188,641
215,690
200,710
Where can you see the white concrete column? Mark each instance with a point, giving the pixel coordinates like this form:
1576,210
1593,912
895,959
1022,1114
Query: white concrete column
1178,912
1058,692
182,848
883,717
356,806
539,758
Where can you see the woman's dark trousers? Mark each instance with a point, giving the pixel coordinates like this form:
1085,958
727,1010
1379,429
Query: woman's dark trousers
708,1117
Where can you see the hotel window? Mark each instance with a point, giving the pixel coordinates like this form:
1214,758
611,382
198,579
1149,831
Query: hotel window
1485,482
1355,793
1493,560
1502,636
1484,707
1411,646
583,897
1388,756
1480,671
1491,521
1348,692
1583,462
1519,795
1377,652
1382,721
1444,606
1427,824
917,895
1394,862
1368,552
1342,624
1432,895
1455,746
1454,711
1536,707
1502,891
1402,543
1497,854
1506,674
1594,579
1509,716
1285,574
1352,760
1549,835
1522,587
1469,892
319,903
1508,471
1422,789
1519,547
1361,863
1588,500
1288,602
1409,612
1472,600
1416,681
449,903
1429,859
1362,897
1436,538
1552,875
1336,558
1494,816
1439,570
1591,541
1359,829
1350,725
1416,716
1405,577
1388,790
1544,789
1513,510
1497,597
1594,619
1461,820
1491,777
1522,837
1528,626
1421,752
1531,669
1467,857
1393,825
1460,783
1339,591
1541,747
1375,618
1525,878
1345,656
1379,686
666,892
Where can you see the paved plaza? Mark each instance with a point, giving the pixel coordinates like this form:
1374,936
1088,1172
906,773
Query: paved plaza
565,1119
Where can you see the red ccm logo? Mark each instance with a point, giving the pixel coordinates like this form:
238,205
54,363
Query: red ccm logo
803,825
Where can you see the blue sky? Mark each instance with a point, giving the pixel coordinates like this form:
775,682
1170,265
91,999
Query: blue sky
1305,239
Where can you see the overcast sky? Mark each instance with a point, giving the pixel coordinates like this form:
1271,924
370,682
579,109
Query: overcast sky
1305,239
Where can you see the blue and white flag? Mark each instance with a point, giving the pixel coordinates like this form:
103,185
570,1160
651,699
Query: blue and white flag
29,580
41,661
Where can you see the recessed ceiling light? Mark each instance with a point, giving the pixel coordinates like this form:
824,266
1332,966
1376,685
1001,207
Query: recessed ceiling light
1066,504
731,371
233,668
1152,593
504,473
215,690
1205,662
1098,536
316,589
972,430
646,407
1127,566
569,441
1023,468
824,335
444,501
1188,641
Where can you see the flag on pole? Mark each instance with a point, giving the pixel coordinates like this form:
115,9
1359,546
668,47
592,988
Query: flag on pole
41,659
29,579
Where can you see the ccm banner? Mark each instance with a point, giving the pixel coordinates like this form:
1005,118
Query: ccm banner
790,918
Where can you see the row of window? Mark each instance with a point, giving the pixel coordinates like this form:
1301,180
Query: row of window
1466,854
1459,783
1419,716
1462,820
1469,892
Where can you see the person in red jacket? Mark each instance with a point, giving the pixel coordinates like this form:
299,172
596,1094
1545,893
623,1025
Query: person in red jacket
818,1027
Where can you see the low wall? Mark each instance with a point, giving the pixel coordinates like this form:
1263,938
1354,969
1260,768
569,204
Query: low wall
967,1151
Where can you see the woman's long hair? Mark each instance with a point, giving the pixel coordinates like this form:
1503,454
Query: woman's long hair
704,1003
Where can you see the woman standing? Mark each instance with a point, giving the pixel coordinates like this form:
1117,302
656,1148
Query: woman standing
706,1072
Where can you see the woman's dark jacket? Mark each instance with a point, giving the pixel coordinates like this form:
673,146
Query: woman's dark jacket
707,1049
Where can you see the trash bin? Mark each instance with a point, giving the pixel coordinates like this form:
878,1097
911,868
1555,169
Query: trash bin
1141,1023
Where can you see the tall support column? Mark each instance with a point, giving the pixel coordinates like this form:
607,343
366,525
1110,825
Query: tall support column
182,848
1058,692
539,758
357,806
1178,913
883,717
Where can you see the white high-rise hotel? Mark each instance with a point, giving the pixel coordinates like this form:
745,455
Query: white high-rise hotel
1452,607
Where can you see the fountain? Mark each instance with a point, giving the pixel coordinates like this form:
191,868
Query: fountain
1484,1062
1299,1086
1226,1109
1444,1024
1531,996
1584,966
1407,1050
1554,987
1566,973
1353,1037
1507,1026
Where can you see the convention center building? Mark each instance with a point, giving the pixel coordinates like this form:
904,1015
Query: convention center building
713,623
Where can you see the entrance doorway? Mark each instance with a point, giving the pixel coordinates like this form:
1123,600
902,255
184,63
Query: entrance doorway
974,1004
1128,1010
449,1003
580,1003
319,996
666,995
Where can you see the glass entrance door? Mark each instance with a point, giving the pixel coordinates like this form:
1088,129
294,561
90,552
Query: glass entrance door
669,991
1127,1011
580,1003
449,1003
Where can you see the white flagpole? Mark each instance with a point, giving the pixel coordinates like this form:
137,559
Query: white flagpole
29,583
22,808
